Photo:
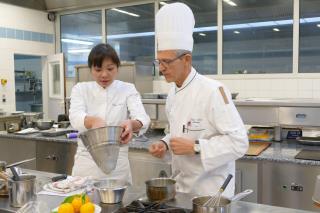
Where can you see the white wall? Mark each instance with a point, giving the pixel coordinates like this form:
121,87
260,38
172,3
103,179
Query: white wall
22,19
264,86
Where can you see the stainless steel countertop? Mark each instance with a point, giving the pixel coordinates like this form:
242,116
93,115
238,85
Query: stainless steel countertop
182,200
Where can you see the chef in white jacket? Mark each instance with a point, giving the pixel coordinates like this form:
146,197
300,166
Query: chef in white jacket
206,132
105,101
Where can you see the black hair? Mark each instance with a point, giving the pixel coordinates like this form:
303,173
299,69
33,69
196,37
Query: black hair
101,52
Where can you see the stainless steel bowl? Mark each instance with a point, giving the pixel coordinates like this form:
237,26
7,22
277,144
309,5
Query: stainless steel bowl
104,145
44,124
63,124
111,191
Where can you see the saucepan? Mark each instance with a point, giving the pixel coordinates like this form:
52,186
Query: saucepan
159,189
198,203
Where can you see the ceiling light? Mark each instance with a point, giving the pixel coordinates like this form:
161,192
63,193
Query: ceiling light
125,12
79,51
318,25
276,29
163,3
202,34
74,41
231,3
236,32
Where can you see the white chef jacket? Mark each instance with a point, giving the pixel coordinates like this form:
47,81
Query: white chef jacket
116,103
199,106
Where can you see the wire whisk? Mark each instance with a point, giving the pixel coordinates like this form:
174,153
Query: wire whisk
215,200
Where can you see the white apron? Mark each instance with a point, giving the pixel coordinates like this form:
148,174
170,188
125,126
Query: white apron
116,103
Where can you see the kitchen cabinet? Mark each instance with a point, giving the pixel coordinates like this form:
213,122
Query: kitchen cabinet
144,166
55,157
247,177
288,185
13,150
51,156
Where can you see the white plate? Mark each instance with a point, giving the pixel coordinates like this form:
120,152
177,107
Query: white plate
97,209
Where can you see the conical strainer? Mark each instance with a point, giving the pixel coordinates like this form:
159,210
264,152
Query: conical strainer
103,144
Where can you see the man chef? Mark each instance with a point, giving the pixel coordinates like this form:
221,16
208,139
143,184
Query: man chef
206,134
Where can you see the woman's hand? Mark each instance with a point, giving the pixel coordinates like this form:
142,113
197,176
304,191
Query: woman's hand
127,132
91,122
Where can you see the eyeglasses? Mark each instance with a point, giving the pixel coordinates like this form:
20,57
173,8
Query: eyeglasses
166,62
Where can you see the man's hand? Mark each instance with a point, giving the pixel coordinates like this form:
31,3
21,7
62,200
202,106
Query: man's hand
91,122
127,132
158,149
182,146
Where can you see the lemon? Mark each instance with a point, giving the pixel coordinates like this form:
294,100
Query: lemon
77,203
87,208
87,199
66,208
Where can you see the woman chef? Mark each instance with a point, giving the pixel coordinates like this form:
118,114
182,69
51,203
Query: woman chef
105,101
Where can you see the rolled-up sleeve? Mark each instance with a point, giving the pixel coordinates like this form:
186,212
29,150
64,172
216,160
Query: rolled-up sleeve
77,111
136,109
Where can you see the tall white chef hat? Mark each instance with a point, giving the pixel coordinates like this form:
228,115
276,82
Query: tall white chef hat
174,27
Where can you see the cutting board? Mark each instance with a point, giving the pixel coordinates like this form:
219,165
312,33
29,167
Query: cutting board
308,155
255,148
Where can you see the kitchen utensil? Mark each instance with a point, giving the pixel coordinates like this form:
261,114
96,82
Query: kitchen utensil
158,189
163,96
215,200
30,118
103,144
13,127
44,124
150,95
22,191
241,195
63,124
306,154
59,177
3,166
20,162
16,176
111,191
255,148
198,203
234,95
312,141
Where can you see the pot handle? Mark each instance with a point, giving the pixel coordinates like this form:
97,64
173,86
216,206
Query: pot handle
241,195
175,174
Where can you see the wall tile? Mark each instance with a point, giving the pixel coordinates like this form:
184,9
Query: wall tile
305,94
305,84
42,37
27,35
290,84
316,84
10,33
3,32
19,34
316,94
35,36
276,84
